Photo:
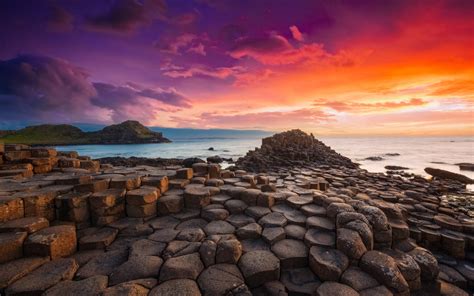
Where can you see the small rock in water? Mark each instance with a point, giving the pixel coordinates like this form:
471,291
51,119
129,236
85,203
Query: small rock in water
374,158
466,166
211,149
395,168
443,174
215,159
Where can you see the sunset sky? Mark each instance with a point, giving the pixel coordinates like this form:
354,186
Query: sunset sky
367,67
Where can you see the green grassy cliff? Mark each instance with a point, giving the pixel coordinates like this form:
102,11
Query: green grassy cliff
128,132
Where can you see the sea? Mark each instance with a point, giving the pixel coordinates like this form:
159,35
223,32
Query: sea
415,153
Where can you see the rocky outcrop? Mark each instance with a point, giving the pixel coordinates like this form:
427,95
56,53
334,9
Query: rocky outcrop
291,148
127,132
443,174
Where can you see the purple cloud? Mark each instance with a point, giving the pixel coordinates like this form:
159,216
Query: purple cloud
132,99
53,90
249,46
201,70
126,16
174,46
198,49
42,87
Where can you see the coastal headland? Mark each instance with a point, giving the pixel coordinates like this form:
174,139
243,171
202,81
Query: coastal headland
292,217
127,132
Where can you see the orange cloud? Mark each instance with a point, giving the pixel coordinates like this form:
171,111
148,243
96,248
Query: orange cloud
306,117
355,107
452,88
174,71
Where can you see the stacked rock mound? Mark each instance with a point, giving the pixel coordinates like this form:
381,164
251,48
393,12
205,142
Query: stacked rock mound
291,148
207,231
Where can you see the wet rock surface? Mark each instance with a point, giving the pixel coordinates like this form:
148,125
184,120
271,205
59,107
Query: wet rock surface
292,224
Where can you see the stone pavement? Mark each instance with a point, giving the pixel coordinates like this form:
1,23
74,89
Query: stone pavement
71,226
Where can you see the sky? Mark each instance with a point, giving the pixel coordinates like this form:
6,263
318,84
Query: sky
339,67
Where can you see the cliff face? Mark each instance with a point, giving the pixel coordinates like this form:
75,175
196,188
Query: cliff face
292,148
128,132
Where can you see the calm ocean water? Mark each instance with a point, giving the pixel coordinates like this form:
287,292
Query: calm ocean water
415,153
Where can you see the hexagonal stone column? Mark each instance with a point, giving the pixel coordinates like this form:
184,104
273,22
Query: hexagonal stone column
11,245
259,267
55,242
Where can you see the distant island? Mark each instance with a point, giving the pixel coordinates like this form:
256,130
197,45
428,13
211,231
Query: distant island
127,132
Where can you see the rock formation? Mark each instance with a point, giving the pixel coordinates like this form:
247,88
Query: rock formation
73,226
447,175
291,148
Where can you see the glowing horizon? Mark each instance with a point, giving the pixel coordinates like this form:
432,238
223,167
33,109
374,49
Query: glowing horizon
331,68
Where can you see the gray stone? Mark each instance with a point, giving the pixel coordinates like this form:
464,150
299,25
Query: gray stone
170,204
137,267
335,289
273,234
16,269
358,279
252,230
292,253
191,235
321,238
228,251
182,267
185,287
147,247
179,248
90,286
320,223
99,239
126,289
295,231
327,264
239,220
274,219
259,267
208,252
235,206
350,243
164,235
384,269
300,281
219,227
104,264
220,279
44,277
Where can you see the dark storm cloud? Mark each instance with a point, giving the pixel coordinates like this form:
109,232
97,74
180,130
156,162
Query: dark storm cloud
125,16
38,86
53,90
